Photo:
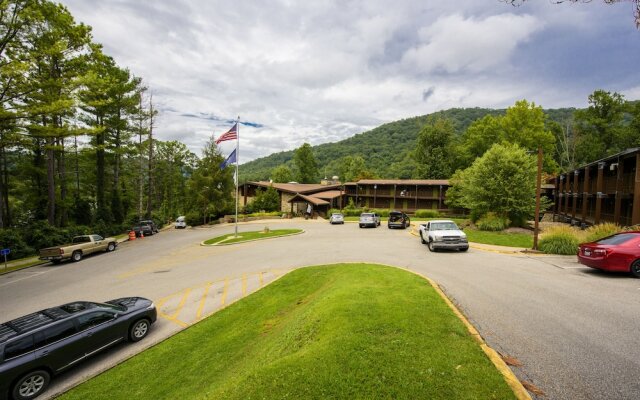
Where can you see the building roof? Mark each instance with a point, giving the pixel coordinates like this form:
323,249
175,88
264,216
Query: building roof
313,200
327,194
626,152
296,187
424,182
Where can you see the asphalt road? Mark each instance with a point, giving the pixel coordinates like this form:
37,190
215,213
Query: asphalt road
574,330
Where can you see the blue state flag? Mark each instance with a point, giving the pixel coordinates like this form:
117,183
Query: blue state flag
230,160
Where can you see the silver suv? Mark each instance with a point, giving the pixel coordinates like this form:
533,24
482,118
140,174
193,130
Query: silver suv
369,219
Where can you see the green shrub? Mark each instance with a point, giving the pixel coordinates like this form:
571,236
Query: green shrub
427,214
492,222
560,240
265,214
597,232
381,212
12,240
193,218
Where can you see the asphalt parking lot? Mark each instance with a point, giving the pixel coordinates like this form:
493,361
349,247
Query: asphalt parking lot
574,330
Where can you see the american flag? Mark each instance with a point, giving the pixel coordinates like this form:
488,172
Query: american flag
231,134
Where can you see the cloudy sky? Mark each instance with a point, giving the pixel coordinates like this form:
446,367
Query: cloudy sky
321,71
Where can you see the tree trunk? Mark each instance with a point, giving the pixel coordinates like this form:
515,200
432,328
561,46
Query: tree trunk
62,170
100,198
150,195
51,183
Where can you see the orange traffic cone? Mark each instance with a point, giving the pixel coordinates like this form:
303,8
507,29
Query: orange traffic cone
132,235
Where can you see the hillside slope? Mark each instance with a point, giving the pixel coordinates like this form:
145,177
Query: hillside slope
383,148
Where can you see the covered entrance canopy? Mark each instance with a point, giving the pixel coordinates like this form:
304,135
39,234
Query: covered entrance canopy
310,205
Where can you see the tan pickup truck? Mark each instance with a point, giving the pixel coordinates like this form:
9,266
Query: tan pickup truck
80,246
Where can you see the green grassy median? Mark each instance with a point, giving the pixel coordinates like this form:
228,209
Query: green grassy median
524,240
253,235
351,331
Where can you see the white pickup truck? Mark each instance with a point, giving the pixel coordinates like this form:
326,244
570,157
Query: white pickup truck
443,234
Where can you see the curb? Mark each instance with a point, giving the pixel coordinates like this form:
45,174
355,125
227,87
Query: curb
251,240
512,380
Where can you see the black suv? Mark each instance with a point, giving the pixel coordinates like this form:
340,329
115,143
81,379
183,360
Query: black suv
398,219
37,346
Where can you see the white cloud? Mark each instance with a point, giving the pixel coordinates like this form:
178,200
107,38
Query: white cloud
456,44
323,71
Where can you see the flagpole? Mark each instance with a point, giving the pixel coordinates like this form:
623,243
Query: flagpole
237,175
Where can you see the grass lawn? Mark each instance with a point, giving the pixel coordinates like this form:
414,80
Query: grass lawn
351,331
244,236
500,238
19,264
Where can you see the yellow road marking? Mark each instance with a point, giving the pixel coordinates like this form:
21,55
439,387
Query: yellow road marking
244,285
224,292
172,319
261,279
182,302
202,300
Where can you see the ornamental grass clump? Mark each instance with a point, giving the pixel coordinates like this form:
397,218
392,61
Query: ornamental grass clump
560,240
600,231
427,214
493,222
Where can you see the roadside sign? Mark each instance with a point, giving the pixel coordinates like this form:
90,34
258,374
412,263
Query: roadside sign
4,253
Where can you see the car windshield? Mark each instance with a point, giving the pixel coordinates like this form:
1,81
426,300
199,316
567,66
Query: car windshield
366,216
395,217
444,226
619,238
81,239
337,215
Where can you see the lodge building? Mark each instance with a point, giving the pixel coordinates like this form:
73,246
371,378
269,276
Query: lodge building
606,190
401,194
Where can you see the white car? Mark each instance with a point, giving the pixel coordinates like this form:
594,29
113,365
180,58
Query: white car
336,218
181,223
443,234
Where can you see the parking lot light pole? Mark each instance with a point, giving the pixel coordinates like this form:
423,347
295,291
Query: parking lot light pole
538,187
375,192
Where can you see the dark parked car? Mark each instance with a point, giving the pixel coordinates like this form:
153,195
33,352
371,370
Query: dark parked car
151,224
37,346
619,252
398,219
147,227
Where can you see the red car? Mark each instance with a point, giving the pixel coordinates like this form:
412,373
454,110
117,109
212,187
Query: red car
619,252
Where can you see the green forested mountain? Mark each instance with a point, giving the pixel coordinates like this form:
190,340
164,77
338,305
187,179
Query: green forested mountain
386,149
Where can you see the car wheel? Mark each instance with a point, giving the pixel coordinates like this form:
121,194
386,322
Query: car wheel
635,268
139,330
111,246
422,239
31,385
430,246
76,256
360,225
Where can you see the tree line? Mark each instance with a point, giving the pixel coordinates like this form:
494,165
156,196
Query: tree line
77,145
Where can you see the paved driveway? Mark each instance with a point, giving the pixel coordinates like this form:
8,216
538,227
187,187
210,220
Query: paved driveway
573,329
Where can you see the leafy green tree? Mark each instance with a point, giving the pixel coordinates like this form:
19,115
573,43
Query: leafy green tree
502,181
433,153
56,64
281,174
211,189
305,164
477,139
353,168
266,200
600,127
